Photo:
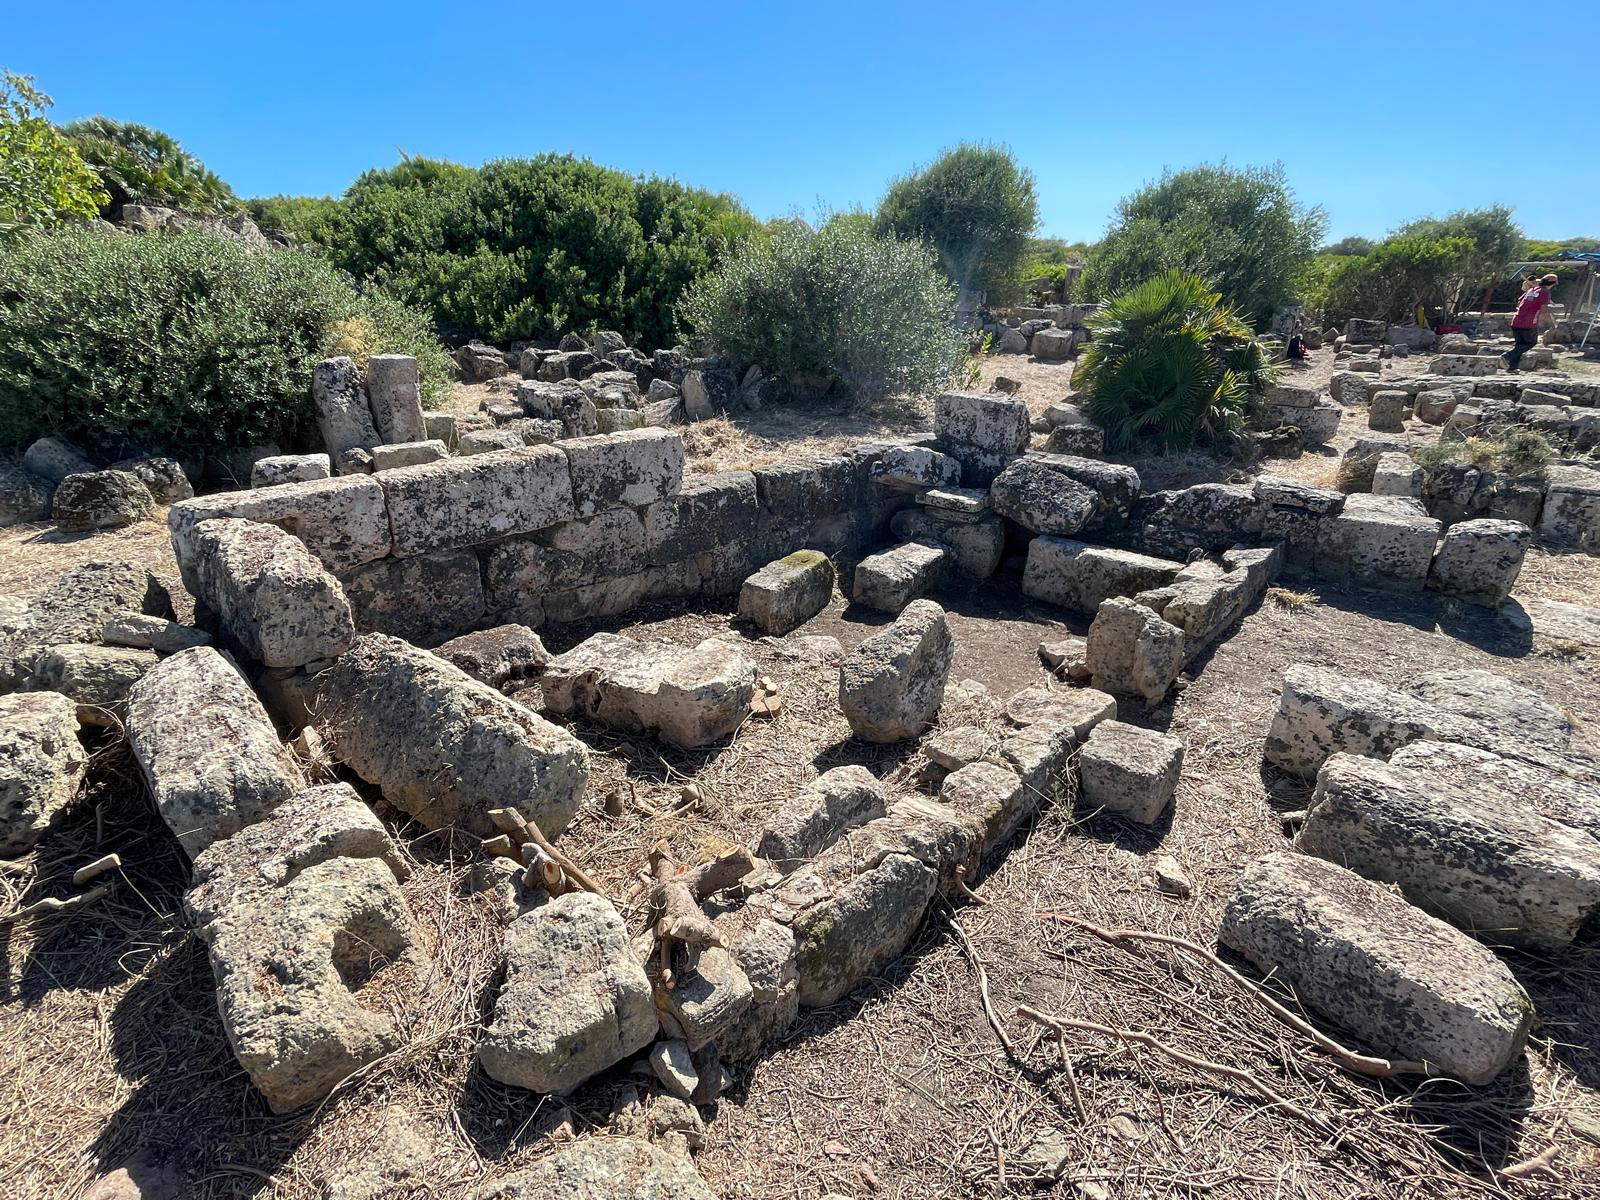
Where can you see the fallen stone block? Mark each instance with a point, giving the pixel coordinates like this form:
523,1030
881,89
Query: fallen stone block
975,547
101,500
1387,541
1042,499
343,414
95,678
892,685
478,498
992,799
915,468
384,595
1388,411
1081,440
1323,711
1479,561
1407,985
1132,651
24,496
1433,407
75,609
503,657
812,820
860,927
55,458
1053,345
785,594
271,595
1203,603
1464,364
689,697
1041,755
1501,708
1504,874
575,1000
1130,771
603,1168
394,393
1397,475
441,745
42,764
1079,709
1507,781
488,441
953,503
207,749
635,468
289,468
1278,492
388,456
952,749
982,432
141,632
894,578
1078,576
1571,514
765,951
344,521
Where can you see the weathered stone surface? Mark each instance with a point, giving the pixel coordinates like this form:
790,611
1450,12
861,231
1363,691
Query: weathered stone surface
1382,540
1042,499
1129,771
975,547
272,596
1132,651
407,454
711,994
689,697
344,521
787,593
1278,492
575,999
354,461
490,441
75,609
24,496
1053,345
635,467
951,503
163,476
479,498
1479,561
1406,984
608,1168
892,685
1079,709
395,395
1505,873
307,899
1501,707
502,657
343,414
142,632
1387,411
1323,711
1079,576
1464,364
54,458
441,745
41,765
1571,515
96,678
861,926
1435,405
1507,781
289,468
1396,475
208,751
992,799
981,431
101,500
807,823
916,467
387,596
1203,602
890,580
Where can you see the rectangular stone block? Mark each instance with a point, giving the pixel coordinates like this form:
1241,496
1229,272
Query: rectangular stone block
982,431
634,468
425,600
1078,576
465,501
893,579
395,394
1382,540
343,521
408,454
787,593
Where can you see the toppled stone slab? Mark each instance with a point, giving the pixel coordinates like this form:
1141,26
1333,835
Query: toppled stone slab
207,749
861,926
1479,561
892,685
1574,803
1079,576
343,414
1383,540
270,593
478,498
1499,705
1042,499
301,912
1079,709
289,468
787,593
1505,874
687,697
916,468
101,500
608,1168
343,521
808,823
1408,985
502,657
635,467
76,609
1132,651
894,578
441,745
1130,771
1323,711
96,678
42,763
575,1000
983,432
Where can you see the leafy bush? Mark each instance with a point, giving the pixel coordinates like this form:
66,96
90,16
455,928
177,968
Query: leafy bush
308,220
1169,365
180,339
975,206
1239,230
838,302
1492,243
43,182
1350,245
1516,452
141,165
1389,283
524,248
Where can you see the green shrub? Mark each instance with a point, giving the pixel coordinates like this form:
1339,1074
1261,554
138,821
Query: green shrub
1169,366
43,182
309,220
1240,230
141,165
838,302
1350,245
1516,452
1492,241
975,206
1389,283
181,339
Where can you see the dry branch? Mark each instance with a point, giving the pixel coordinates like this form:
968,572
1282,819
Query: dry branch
676,900
52,905
522,830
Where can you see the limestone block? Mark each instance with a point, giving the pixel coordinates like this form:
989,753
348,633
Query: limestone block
1397,475
1408,985
1323,711
1130,771
981,431
892,685
1085,440
913,468
575,1000
1041,755
1053,345
952,503
343,414
992,799
407,454
24,496
143,632
1041,499
1078,576
54,458
785,594
1505,874
289,468
1387,411
894,578
1507,781
95,678
76,609
635,468
384,596
1079,709
207,749
975,547
1571,515
343,521
1500,708
395,394
101,500
1479,561
809,822
1464,364
502,657
1383,540
863,925
42,763
467,500
1132,651
710,994
441,745
1277,492
1434,406
489,441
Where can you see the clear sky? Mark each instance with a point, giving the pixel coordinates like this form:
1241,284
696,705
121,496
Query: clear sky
1378,112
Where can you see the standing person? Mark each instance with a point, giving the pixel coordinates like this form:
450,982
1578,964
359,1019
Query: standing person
1525,325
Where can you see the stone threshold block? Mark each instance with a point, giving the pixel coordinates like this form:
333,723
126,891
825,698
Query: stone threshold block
689,697
1505,874
1130,771
1406,984
788,592
892,579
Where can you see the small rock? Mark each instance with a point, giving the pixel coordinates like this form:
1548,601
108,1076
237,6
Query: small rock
1171,877
674,1067
101,500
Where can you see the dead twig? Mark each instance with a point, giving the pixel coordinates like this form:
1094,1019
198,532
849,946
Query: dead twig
523,830
983,988
52,905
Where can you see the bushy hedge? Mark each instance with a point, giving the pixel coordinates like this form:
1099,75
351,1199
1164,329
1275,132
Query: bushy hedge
1389,283
840,302
180,339
524,248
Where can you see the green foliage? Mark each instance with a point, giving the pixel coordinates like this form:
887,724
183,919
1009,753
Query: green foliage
1518,452
1170,365
1544,249
1350,245
180,339
1044,267
43,182
975,206
838,302
1388,284
1240,230
1493,242
141,165
524,248
308,220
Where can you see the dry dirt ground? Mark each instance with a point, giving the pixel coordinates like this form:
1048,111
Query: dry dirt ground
110,1046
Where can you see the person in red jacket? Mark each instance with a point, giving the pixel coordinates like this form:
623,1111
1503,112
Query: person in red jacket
1525,325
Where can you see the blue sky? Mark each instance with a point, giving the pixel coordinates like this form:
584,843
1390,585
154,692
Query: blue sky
1378,112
